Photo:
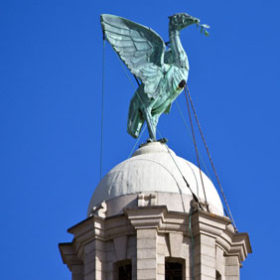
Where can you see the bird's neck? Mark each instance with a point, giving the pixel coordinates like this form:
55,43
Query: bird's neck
179,54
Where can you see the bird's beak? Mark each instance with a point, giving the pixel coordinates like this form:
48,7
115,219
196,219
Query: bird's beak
195,20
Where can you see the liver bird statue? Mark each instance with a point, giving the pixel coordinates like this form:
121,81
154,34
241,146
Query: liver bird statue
163,71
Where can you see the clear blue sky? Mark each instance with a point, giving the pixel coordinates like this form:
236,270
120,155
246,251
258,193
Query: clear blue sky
50,100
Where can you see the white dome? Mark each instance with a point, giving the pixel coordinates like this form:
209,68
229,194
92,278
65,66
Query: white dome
154,168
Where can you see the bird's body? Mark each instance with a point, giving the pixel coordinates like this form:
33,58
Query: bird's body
167,91
163,73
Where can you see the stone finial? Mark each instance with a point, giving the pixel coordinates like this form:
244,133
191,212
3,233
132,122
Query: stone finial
99,210
145,199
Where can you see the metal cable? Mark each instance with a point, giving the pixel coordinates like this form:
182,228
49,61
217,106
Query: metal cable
210,159
190,135
124,70
102,110
184,178
196,151
136,143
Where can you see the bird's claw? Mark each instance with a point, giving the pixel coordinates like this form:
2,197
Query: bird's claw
163,140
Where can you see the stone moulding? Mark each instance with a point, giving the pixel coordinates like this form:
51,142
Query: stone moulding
108,240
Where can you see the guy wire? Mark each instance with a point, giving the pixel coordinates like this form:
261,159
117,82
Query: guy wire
196,152
210,158
189,134
102,109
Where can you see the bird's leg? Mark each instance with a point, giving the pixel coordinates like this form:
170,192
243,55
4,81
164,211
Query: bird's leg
155,119
150,124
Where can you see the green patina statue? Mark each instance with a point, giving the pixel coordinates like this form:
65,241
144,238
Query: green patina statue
163,72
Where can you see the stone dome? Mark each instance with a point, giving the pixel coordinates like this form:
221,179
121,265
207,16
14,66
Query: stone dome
154,168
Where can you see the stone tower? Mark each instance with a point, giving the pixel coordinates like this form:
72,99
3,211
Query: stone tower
144,223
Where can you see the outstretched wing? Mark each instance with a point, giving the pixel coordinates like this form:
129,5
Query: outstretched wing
139,47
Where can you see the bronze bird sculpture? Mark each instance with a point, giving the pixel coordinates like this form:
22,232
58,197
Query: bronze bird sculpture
163,72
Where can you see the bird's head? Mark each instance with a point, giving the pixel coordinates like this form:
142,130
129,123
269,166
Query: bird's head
181,20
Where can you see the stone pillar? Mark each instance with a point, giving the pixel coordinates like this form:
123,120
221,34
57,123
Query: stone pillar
146,254
94,257
232,268
204,257
220,262
146,221
218,249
